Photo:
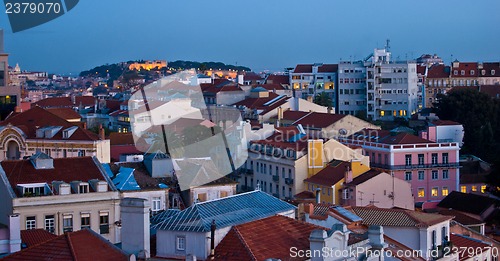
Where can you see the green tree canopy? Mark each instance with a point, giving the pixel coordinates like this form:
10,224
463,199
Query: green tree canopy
323,99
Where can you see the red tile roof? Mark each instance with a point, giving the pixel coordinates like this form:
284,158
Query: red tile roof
464,242
251,76
85,100
331,174
438,71
54,102
364,177
35,236
397,217
467,67
257,103
386,137
490,70
278,79
445,123
303,68
459,216
216,88
80,245
319,120
270,86
65,169
281,138
324,68
121,138
37,117
65,113
328,68
421,69
253,240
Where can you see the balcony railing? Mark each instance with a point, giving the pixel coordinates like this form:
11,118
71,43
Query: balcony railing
288,181
276,178
414,166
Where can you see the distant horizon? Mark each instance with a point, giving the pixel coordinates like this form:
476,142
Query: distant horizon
259,34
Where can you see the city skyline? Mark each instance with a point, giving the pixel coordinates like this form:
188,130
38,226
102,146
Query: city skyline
260,35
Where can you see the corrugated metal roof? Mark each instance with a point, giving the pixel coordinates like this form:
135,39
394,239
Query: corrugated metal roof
228,211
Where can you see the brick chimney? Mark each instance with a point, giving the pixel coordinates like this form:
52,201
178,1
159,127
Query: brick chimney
102,134
347,174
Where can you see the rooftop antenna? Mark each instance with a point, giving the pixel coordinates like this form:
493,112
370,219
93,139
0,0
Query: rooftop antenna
387,45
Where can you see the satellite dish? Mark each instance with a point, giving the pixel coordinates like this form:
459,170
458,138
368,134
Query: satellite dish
343,132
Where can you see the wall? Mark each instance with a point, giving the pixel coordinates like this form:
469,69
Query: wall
149,195
228,98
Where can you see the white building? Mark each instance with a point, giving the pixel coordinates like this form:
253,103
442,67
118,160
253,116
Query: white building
352,88
308,80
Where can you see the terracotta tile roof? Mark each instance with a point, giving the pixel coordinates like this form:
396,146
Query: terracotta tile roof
467,202
35,236
397,217
490,70
270,86
324,68
252,241
113,105
386,137
85,101
37,117
216,88
438,71
293,116
54,102
328,68
319,120
331,174
251,76
421,69
364,177
117,138
65,169
280,79
65,113
303,68
464,242
467,67
459,216
80,245
305,195
492,90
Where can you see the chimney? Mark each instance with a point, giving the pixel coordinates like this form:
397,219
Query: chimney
102,134
135,227
348,174
213,227
309,209
318,196
241,79
376,237
14,233
280,116
85,125
336,238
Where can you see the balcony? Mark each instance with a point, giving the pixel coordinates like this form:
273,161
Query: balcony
276,178
288,181
414,166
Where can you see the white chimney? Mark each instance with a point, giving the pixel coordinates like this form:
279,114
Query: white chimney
135,227
14,233
241,79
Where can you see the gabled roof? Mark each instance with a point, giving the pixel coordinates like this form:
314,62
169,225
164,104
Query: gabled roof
467,202
117,138
319,119
421,69
37,117
328,68
80,245
364,177
251,76
35,236
65,169
438,71
163,215
270,237
303,68
467,67
322,68
387,137
228,211
280,79
65,113
464,242
397,217
331,174
54,102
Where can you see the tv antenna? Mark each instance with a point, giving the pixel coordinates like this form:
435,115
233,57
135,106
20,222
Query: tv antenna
387,45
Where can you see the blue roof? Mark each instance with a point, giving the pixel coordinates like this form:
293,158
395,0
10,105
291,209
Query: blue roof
163,215
348,214
125,180
258,89
107,168
228,211
296,137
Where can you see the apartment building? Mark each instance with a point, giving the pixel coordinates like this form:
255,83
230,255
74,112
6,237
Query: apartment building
431,168
308,80
392,89
60,195
351,88
9,95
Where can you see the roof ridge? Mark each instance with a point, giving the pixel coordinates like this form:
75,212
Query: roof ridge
70,244
245,244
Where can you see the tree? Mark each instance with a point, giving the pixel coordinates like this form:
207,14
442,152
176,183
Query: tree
323,99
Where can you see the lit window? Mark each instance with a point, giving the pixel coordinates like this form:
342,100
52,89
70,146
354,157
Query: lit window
382,113
421,192
434,192
444,191
180,243
483,188
474,188
30,223
463,189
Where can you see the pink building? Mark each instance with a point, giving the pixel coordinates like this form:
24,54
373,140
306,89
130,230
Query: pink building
431,168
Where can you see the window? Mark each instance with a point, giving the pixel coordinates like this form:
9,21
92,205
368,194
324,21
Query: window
462,72
83,188
434,158
156,205
474,188
408,160
283,172
67,223
421,175
421,192
434,239
104,223
408,175
492,72
434,174
420,159
434,192
81,153
483,188
33,191
444,191
202,197
224,194
30,222
472,72
85,220
463,189
49,223
445,174
445,158
180,243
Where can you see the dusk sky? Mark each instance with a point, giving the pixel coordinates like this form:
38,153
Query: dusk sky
260,34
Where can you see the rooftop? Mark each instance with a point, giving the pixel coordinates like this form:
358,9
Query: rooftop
467,202
35,236
331,174
228,211
387,137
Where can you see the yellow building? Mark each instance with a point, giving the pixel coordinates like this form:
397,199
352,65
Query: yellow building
330,179
148,65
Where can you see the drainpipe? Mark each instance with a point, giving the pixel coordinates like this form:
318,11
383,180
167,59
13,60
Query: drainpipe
212,239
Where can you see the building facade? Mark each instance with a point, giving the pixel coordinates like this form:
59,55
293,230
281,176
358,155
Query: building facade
308,80
351,88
